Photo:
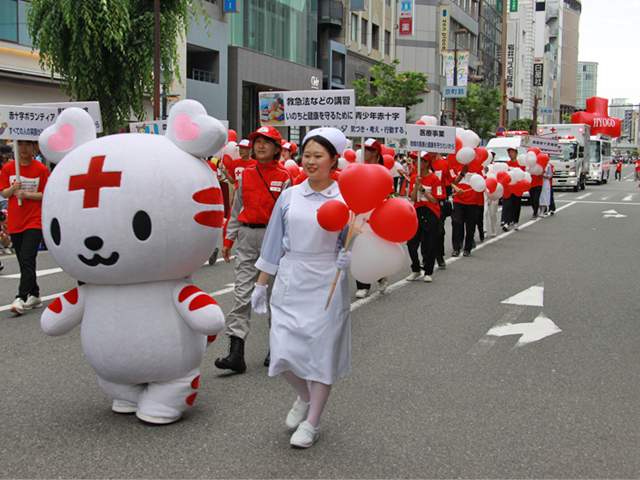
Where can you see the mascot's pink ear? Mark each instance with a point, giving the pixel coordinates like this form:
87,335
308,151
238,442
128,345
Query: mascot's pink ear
73,127
193,131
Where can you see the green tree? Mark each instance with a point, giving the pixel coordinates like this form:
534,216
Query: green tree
391,89
521,124
566,118
479,110
103,49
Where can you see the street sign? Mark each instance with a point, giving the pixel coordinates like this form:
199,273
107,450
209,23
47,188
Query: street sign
546,111
230,6
459,91
538,71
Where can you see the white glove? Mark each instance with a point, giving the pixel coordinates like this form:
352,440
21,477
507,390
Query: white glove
344,259
259,299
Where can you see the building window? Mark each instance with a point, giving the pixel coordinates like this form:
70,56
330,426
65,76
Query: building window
354,27
13,22
364,32
375,36
202,64
337,68
387,42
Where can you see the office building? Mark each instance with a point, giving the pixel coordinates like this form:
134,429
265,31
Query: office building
587,83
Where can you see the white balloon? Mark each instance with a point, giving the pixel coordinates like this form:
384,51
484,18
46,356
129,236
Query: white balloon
527,177
491,175
535,169
231,149
531,158
470,139
359,158
342,163
459,132
522,159
478,183
394,170
513,176
349,144
465,155
500,167
519,174
291,162
488,161
429,120
373,258
362,221
498,192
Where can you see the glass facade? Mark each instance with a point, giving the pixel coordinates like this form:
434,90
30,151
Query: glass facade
285,29
13,22
490,44
587,83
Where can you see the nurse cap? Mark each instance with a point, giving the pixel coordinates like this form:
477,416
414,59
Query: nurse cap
335,137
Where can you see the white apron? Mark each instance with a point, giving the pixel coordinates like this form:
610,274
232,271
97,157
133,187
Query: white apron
312,343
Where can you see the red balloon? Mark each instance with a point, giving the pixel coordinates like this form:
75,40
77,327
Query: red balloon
535,150
293,170
395,220
451,160
542,159
233,136
333,215
517,189
504,178
420,122
492,184
389,161
481,153
507,191
228,162
388,151
458,144
349,155
364,187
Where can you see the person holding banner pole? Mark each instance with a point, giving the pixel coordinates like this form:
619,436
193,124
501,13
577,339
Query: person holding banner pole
23,182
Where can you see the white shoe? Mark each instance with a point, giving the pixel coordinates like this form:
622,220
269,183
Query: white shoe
8,251
413,276
17,306
427,278
297,413
32,302
157,420
516,227
362,293
383,284
305,436
122,406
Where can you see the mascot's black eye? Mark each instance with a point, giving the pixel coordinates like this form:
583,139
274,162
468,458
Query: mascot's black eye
142,225
55,231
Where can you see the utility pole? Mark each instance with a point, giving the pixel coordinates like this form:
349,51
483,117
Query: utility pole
503,80
535,113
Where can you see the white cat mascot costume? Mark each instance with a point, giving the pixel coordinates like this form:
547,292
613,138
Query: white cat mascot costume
133,216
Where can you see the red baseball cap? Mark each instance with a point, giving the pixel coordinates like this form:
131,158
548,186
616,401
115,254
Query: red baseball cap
424,155
244,143
413,155
292,147
373,143
269,132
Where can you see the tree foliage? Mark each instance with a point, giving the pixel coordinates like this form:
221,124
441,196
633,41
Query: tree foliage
103,49
479,110
391,89
521,124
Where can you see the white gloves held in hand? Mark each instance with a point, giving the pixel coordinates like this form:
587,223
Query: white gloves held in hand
259,299
344,259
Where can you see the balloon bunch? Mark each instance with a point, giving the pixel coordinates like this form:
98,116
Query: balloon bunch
292,167
427,120
468,152
376,225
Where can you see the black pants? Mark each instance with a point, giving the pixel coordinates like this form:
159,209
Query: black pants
463,224
26,245
552,202
426,238
618,175
535,198
511,209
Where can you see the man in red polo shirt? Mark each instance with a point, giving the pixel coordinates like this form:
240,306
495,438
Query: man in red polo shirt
257,191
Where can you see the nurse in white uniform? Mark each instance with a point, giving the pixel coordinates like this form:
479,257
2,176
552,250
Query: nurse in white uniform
310,346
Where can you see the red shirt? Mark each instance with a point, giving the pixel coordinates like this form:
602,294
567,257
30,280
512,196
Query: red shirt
469,196
536,181
443,171
237,166
261,186
34,178
434,186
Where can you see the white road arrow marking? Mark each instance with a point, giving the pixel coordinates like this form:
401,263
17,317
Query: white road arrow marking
612,214
541,327
532,297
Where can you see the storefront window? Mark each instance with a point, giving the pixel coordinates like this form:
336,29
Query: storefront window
285,29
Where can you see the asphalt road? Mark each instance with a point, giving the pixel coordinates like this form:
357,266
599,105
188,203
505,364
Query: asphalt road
431,394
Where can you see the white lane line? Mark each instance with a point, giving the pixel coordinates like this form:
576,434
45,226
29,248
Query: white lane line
628,198
597,202
402,283
583,196
39,273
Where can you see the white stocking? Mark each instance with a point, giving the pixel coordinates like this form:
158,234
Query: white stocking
319,396
299,385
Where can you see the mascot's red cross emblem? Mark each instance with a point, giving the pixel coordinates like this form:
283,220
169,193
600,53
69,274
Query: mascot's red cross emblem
93,181
597,117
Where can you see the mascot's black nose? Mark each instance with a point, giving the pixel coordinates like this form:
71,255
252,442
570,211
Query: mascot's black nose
93,243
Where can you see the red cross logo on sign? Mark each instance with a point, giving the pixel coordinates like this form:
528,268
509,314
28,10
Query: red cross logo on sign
93,181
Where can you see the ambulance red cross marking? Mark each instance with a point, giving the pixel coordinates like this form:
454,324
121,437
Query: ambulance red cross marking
93,181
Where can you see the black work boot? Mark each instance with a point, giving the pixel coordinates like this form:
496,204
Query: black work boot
267,359
235,360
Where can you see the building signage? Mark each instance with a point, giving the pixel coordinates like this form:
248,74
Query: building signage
315,82
538,70
158,127
432,139
308,107
448,67
389,122
405,18
463,67
510,72
513,5
230,6
19,122
455,92
444,28
92,108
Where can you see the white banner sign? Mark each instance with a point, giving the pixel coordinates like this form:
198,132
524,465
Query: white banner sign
19,122
158,127
92,108
432,138
389,122
548,145
308,107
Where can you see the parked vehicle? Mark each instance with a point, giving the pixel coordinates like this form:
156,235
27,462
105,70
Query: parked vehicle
571,165
599,158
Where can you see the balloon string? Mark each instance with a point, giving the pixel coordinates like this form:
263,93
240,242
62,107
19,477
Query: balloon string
351,236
